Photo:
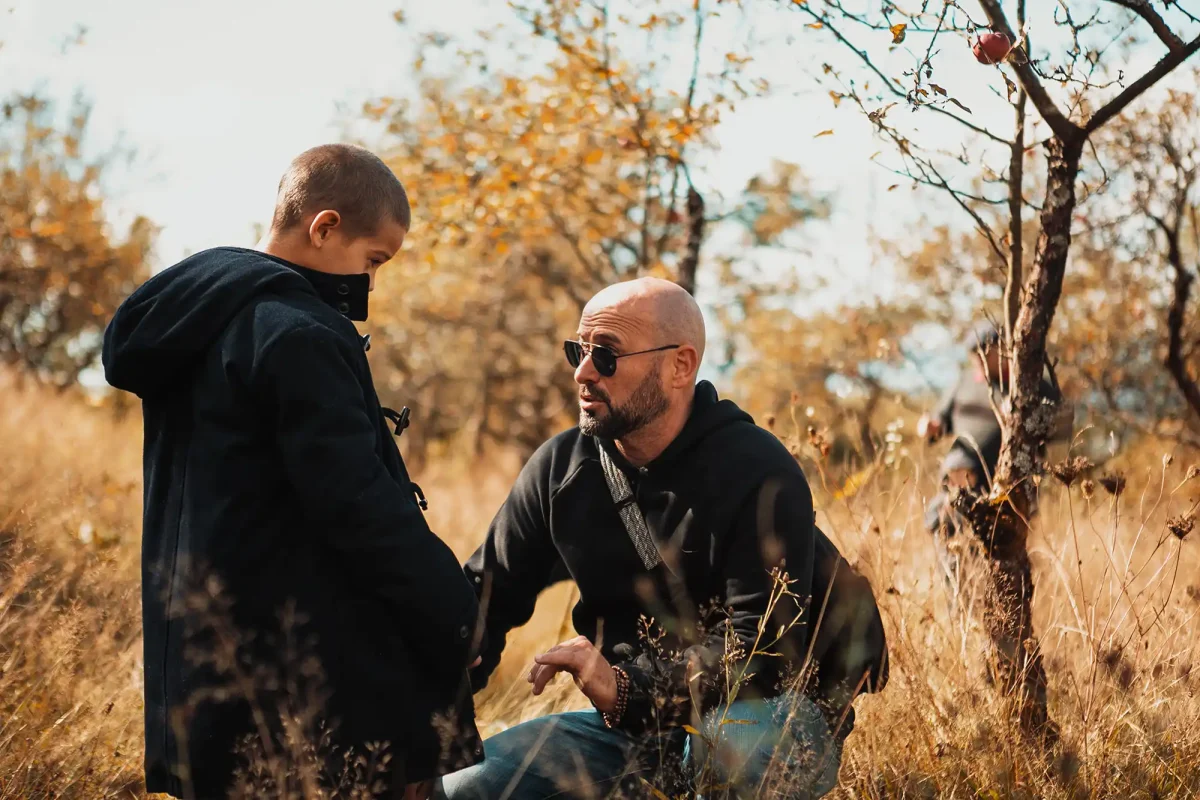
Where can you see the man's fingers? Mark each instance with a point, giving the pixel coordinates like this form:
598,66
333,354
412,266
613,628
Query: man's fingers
565,658
541,676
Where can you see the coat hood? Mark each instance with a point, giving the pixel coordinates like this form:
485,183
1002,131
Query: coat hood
170,320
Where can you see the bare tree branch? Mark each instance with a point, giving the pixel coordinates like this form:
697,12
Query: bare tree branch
1146,11
862,54
1062,127
1016,180
1118,103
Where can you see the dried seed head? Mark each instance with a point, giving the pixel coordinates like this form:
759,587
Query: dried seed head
1088,488
1069,469
1113,484
1192,472
1180,527
1168,459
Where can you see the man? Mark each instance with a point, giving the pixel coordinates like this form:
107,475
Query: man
968,411
272,479
663,499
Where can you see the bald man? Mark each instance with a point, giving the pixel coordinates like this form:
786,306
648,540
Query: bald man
662,500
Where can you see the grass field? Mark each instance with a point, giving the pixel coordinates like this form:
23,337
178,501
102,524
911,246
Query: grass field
1116,611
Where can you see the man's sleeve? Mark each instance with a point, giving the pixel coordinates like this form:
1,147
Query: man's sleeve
945,409
773,529
515,562
328,440
1064,418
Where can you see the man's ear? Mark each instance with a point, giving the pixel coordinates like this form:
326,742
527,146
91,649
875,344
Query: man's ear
322,225
687,363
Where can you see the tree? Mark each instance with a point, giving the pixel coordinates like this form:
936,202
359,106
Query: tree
1161,150
535,184
62,272
1091,92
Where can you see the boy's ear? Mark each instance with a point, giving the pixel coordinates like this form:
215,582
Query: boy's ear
322,225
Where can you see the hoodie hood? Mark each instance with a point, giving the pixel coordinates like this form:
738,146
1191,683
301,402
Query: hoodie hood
709,413
170,320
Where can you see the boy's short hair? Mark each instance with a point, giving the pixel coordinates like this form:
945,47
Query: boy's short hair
345,178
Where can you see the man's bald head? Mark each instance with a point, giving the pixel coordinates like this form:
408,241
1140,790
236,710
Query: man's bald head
656,305
654,333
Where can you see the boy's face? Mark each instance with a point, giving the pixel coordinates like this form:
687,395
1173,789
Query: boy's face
335,252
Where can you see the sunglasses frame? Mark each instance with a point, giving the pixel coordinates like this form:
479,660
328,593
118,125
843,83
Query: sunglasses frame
586,350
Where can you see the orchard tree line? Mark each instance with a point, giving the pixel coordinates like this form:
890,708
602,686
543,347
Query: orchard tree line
1053,146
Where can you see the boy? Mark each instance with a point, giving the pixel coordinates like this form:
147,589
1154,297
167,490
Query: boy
271,473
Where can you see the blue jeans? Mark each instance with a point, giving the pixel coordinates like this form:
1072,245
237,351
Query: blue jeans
777,748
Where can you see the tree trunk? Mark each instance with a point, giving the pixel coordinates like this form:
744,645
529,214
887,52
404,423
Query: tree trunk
1182,285
1001,520
695,234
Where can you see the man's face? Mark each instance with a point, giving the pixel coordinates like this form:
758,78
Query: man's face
338,253
615,406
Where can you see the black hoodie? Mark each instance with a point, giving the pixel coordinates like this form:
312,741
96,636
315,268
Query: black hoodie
725,503
271,475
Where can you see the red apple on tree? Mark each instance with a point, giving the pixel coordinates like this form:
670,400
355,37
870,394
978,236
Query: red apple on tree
991,48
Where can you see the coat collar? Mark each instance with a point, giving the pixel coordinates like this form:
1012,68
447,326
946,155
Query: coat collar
346,294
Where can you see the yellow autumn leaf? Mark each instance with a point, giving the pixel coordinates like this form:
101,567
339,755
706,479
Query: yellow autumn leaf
816,25
691,730
899,32
593,157
824,133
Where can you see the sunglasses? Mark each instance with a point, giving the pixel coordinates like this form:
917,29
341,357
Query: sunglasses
604,359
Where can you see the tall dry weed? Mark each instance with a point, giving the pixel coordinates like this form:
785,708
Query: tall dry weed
1118,593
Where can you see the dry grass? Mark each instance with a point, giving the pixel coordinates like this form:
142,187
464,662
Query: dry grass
1116,609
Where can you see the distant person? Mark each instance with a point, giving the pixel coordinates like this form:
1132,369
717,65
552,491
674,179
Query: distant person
967,412
270,467
665,498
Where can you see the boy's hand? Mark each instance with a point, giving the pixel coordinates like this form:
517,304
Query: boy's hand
583,661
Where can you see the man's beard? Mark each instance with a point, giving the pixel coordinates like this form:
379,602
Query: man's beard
647,403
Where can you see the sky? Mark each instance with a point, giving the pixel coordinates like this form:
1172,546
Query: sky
216,97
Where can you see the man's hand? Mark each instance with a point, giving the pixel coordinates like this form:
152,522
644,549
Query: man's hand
591,671
929,428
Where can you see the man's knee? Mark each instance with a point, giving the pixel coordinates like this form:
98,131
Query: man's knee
543,757
758,741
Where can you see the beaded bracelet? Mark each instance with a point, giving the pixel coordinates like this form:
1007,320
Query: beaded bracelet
613,718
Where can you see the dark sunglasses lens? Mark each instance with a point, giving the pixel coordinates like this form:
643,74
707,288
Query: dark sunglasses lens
605,361
574,353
